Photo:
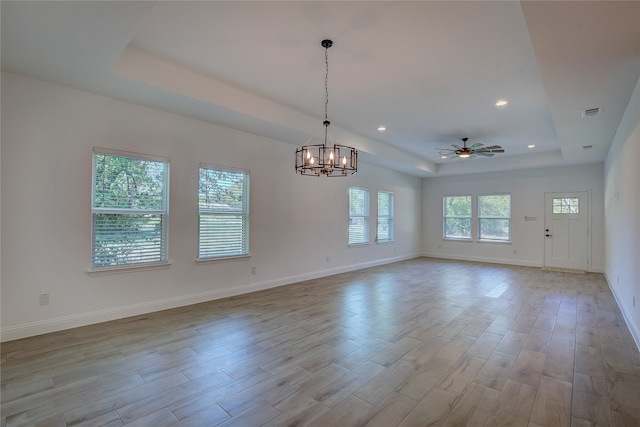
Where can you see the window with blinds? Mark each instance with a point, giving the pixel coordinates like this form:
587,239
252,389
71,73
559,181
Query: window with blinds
223,205
358,216
385,217
456,217
130,211
494,217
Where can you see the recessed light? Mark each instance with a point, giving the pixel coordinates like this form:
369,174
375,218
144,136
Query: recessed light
501,102
531,146
381,128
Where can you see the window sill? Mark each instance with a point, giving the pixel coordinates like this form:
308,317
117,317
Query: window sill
459,239
101,271
222,259
359,245
384,242
503,242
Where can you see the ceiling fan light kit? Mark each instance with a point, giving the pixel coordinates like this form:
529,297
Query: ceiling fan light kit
465,152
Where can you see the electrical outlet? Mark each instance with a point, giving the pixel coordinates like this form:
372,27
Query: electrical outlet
515,252
253,270
327,259
44,299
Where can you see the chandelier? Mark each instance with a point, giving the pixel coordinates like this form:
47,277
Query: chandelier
328,159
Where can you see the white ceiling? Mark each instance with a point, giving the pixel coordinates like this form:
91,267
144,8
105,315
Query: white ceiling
430,72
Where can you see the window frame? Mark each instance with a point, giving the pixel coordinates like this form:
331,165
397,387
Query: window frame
163,260
480,217
244,212
365,217
566,208
466,217
386,216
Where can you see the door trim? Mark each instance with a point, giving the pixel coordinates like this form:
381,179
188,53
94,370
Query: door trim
588,243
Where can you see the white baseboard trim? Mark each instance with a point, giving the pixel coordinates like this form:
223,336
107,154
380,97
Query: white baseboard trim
83,319
593,269
483,259
633,328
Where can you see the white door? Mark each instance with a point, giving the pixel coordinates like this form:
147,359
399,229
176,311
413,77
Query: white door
566,229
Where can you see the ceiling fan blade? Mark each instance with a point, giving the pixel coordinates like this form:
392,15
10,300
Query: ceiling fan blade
484,154
476,145
456,146
493,147
489,150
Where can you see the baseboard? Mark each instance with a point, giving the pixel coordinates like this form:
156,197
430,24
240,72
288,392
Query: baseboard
67,322
99,316
491,260
633,328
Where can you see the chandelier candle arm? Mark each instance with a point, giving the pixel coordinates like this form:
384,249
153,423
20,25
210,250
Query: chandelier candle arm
328,158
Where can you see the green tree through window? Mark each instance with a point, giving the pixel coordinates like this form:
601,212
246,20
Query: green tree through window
494,217
457,217
130,209
223,203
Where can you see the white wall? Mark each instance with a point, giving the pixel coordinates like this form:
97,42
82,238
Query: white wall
48,134
622,214
527,188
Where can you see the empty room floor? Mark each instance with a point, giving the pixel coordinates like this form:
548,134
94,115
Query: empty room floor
416,343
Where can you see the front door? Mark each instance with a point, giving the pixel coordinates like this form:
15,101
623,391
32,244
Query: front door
566,229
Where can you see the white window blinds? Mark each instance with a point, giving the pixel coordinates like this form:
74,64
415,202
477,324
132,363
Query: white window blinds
385,217
456,215
130,209
223,201
494,217
358,216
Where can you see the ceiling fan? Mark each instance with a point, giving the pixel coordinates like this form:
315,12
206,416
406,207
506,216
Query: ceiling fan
464,152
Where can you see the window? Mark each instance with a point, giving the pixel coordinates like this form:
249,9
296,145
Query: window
566,205
457,217
129,206
494,217
385,216
358,216
223,205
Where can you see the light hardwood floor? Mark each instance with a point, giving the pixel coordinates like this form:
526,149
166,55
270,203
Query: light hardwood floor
416,343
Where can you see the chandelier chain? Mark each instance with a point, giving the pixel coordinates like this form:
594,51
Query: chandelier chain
326,83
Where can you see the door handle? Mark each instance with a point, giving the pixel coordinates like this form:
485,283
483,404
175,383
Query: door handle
548,235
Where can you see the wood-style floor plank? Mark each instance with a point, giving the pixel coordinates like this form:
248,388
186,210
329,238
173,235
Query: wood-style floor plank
423,342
